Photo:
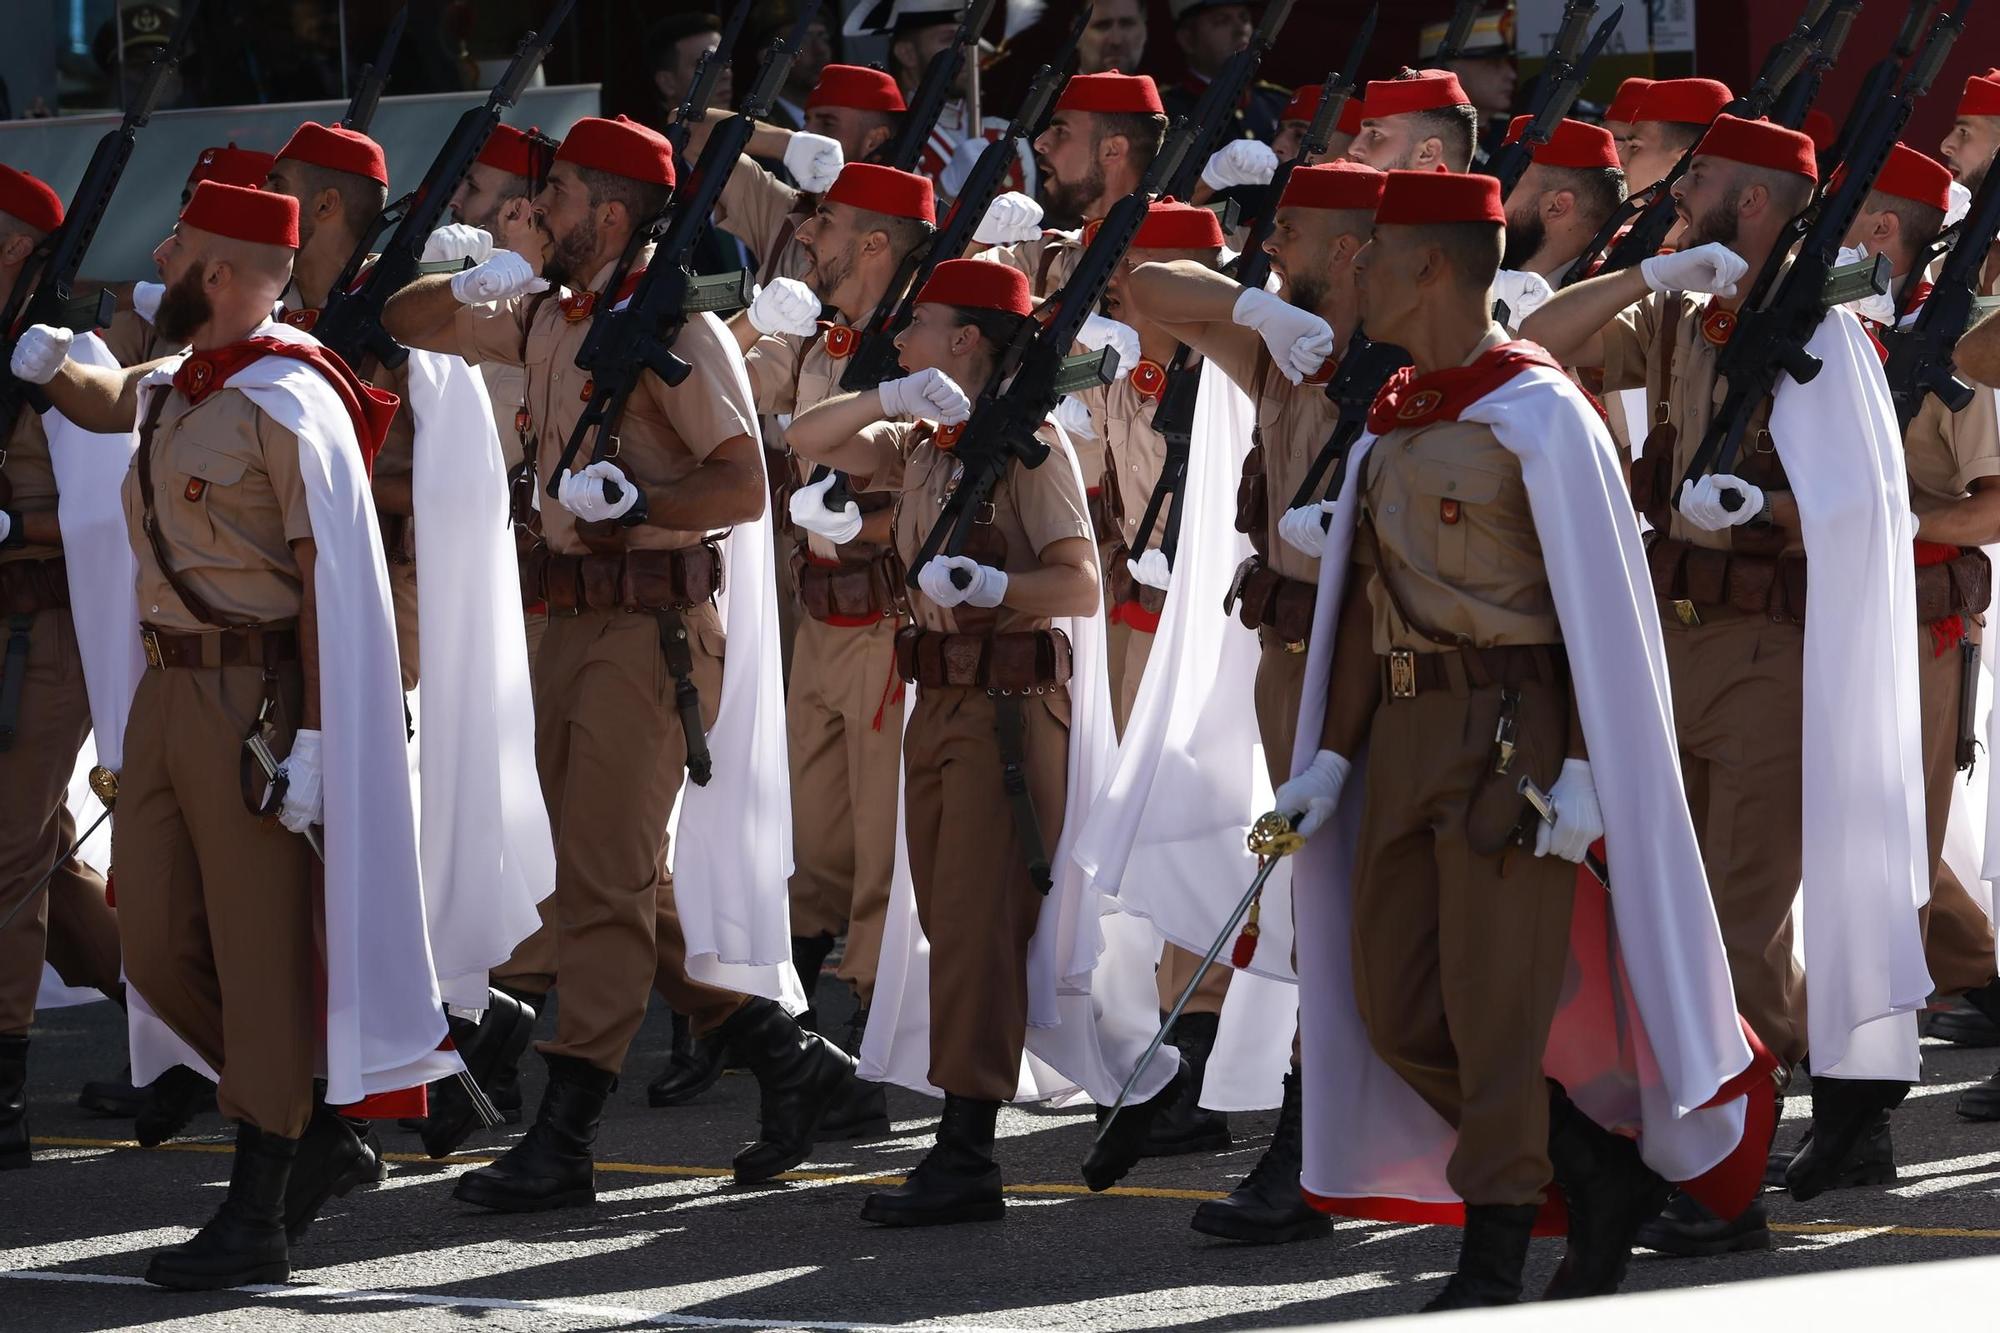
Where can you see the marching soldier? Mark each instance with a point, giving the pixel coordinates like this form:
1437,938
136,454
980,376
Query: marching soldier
1421,120
1668,118
1573,184
609,738
1975,132
44,718
1617,121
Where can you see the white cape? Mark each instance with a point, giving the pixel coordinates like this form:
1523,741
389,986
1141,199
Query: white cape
483,831
1368,1135
384,1018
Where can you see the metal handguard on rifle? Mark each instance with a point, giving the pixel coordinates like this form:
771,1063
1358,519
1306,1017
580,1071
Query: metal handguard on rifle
1880,79
59,257
351,322
938,86
707,73
1651,211
630,338
1771,334
1364,369
375,75
1562,80
1798,96
1218,102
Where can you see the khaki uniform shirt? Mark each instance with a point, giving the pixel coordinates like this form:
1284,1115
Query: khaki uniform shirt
1457,538
764,213
1946,451
1033,508
1048,260
790,374
228,501
1128,446
32,477
1294,422
665,433
133,341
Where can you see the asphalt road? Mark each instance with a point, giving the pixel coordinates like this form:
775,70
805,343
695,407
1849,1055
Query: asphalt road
671,1242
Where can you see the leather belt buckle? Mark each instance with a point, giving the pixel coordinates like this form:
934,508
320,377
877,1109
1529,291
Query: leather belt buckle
149,640
1684,612
1402,673
1295,646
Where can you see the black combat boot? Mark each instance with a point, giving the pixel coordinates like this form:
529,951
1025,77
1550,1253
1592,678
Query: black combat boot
13,1102
809,954
1971,1020
1120,1146
1873,1161
1187,1126
1687,1230
244,1243
115,1096
1267,1208
173,1100
492,1044
863,1113
332,1159
691,1070
800,1077
958,1180
551,1166
505,1092
1610,1194
1491,1255
1981,1101
1844,1112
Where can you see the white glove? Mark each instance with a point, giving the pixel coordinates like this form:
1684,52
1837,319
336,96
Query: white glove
1315,792
1151,568
582,493
300,770
786,306
1522,291
988,586
146,300
1713,268
1304,529
1960,205
1098,333
1579,822
1074,417
40,353
1300,341
1701,502
456,241
500,275
1011,217
6,526
814,160
809,511
1241,162
928,393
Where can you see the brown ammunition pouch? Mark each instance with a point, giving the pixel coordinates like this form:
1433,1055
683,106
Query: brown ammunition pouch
1031,662
31,586
1101,503
1262,598
634,580
399,537
849,596
1961,586
1253,496
1126,590
1700,583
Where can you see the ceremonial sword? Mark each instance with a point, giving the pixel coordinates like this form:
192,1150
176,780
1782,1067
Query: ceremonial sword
1273,837
1546,808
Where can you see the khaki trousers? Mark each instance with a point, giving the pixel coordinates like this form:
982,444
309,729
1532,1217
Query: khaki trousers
532,968
609,748
216,906
1458,957
403,598
844,723
1281,680
1958,939
70,927
1738,686
970,872
1130,650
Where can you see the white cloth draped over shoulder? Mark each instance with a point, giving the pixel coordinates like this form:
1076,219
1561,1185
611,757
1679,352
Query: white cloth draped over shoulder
1647,1036
384,1017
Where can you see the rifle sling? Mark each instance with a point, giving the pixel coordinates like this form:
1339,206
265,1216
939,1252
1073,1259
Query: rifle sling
687,698
1010,731
196,604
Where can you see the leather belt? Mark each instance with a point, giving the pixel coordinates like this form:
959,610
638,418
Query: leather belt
639,580
1407,673
1032,662
847,595
1698,583
267,646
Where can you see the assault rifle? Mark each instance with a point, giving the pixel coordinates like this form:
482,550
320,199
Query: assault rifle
1364,369
1799,95
375,75
1217,105
1919,363
707,73
1771,334
1881,78
630,338
351,322
1650,213
1457,32
1562,80
938,85
58,258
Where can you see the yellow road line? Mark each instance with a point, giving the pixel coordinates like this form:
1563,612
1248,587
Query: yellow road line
1057,1188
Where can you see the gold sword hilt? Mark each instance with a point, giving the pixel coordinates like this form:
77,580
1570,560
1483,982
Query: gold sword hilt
1275,834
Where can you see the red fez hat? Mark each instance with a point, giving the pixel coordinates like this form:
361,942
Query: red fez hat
1912,175
979,284
1427,198
244,214
513,151
1430,90
1982,95
857,87
337,148
1574,144
1625,103
900,194
1170,225
1760,143
230,165
1305,105
1819,128
1351,117
622,147
1684,101
28,199
1333,185
1132,94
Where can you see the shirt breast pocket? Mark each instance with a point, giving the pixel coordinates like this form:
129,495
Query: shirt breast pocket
1446,496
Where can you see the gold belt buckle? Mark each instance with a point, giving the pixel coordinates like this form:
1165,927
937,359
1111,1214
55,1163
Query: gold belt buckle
1295,646
150,641
1684,612
1402,673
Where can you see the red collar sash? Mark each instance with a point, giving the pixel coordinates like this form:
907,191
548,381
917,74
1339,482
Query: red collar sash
369,408
1410,400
